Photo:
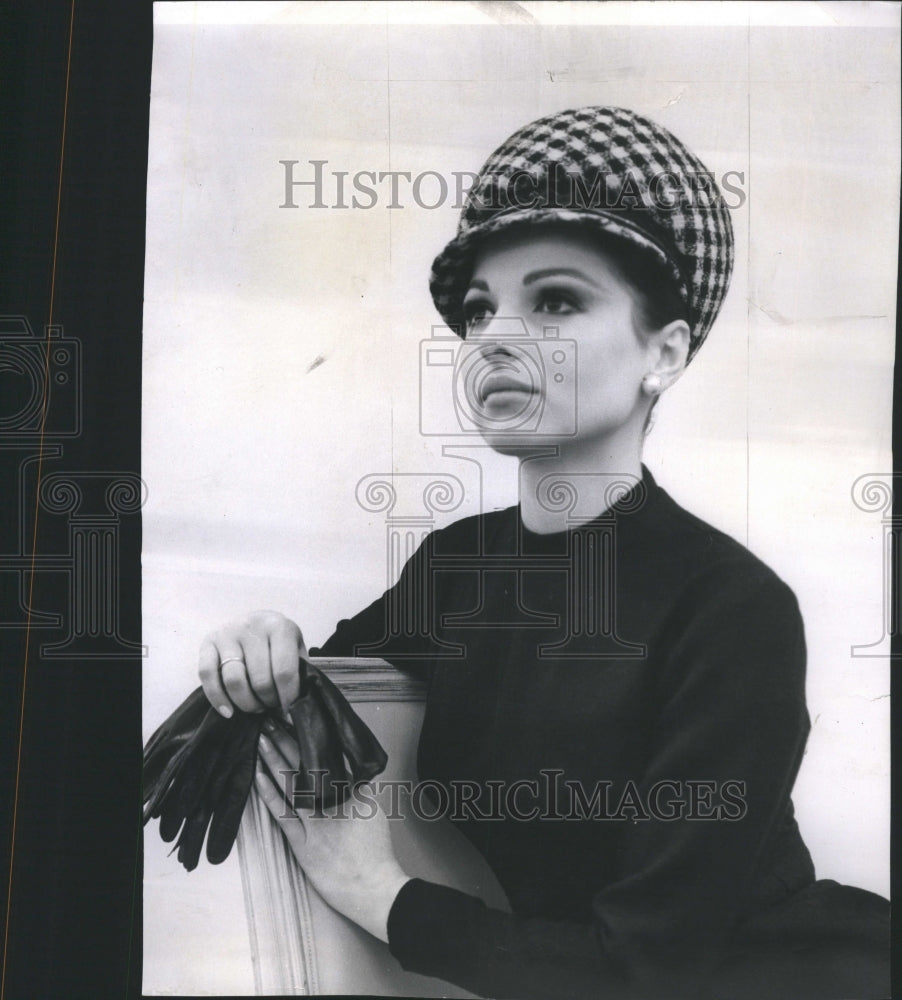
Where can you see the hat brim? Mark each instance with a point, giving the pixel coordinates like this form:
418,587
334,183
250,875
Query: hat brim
453,267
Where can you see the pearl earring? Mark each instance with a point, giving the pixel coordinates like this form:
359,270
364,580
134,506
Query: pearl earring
652,384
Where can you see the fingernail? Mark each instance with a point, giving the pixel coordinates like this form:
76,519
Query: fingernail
226,711
265,744
269,726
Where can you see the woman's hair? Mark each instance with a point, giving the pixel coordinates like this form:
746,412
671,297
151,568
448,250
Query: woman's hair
657,298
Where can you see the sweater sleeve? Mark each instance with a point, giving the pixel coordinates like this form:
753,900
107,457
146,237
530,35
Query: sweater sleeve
398,626
728,708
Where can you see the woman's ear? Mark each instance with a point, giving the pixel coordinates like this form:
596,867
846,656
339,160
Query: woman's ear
670,351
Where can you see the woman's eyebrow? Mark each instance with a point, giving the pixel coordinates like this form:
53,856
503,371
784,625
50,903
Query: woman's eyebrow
568,271
479,284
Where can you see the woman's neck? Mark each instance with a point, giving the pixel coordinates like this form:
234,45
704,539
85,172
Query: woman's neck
566,486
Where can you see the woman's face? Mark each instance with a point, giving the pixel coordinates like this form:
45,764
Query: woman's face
525,383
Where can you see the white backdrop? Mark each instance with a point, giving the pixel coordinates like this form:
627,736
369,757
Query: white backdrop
281,357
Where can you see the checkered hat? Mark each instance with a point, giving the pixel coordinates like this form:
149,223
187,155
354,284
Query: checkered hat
612,170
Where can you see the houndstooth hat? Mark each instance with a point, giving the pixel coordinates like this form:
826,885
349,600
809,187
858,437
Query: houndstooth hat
610,169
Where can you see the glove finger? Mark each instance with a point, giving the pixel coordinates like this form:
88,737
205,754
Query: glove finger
319,745
166,742
193,794
205,763
153,789
242,741
183,721
363,750
169,782
154,769
232,799
192,838
171,819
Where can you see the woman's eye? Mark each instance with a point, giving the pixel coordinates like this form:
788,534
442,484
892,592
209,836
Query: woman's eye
557,304
476,312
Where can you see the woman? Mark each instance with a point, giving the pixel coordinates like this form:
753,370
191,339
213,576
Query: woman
636,676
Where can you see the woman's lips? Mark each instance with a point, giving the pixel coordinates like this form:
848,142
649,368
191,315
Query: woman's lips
499,383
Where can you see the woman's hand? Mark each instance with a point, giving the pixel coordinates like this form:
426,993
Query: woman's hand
348,857
252,664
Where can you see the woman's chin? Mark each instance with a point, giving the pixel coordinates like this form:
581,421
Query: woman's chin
514,442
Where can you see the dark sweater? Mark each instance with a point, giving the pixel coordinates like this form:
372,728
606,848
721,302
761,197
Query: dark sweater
646,658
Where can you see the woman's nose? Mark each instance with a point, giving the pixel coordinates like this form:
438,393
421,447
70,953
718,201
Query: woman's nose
499,332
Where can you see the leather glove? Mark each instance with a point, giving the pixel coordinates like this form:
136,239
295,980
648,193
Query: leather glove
199,767
328,731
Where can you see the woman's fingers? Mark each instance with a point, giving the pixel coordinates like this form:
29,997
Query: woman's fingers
289,822
259,668
284,743
210,679
273,756
285,649
233,671
252,665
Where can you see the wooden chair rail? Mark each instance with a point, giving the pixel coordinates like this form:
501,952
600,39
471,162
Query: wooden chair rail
278,900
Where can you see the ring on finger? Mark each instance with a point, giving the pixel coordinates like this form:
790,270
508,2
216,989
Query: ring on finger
231,659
